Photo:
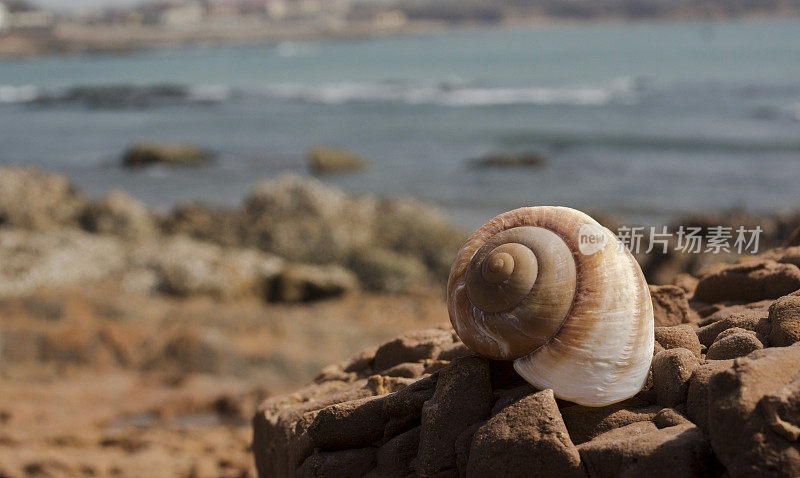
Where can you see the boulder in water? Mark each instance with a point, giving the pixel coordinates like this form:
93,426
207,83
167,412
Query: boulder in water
148,154
328,160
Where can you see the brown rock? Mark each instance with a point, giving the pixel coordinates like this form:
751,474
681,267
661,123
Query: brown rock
669,417
463,397
395,456
304,283
679,336
412,347
586,423
784,316
672,370
750,282
686,282
743,436
680,450
276,439
627,431
147,154
327,160
697,400
781,410
670,306
527,438
344,464
121,215
350,424
33,199
510,160
733,345
755,319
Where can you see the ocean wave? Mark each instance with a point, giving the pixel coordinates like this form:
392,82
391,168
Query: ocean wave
115,96
18,94
456,93
453,92
652,142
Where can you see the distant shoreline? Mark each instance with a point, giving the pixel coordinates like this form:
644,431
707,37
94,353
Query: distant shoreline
73,39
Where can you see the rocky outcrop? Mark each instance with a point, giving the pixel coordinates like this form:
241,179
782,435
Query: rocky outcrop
722,400
530,159
33,199
329,242
670,305
149,153
754,420
329,160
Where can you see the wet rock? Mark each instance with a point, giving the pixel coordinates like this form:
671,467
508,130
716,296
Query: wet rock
463,397
527,438
150,153
304,283
679,336
750,281
742,435
680,450
33,199
328,160
672,370
529,159
732,345
784,317
121,215
670,306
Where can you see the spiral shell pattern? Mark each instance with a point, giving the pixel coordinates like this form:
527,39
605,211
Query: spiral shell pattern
575,317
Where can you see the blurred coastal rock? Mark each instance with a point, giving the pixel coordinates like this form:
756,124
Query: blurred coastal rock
171,154
121,215
293,239
304,283
329,160
388,243
30,260
529,159
423,404
38,200
186,267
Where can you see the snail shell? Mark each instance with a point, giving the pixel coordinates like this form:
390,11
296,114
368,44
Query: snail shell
554,291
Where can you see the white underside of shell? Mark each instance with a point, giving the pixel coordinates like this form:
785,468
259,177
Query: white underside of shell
603,355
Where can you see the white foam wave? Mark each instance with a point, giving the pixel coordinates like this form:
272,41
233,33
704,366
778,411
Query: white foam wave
18,94
208,93
455,93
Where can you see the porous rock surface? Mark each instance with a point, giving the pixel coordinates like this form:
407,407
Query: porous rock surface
723,400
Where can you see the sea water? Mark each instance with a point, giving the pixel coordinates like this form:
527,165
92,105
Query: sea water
645,120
